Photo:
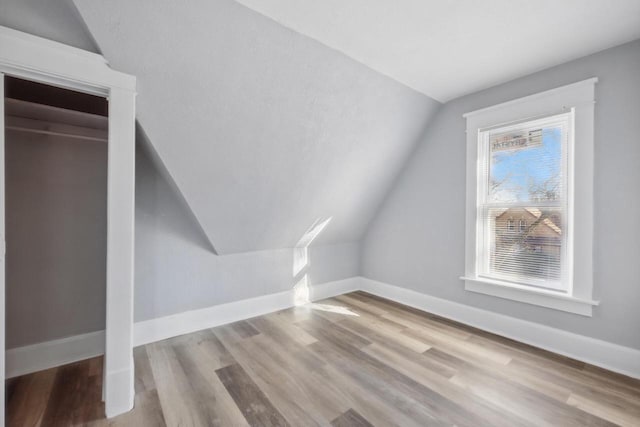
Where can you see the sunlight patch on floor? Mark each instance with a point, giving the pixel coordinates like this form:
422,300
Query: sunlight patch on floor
332,309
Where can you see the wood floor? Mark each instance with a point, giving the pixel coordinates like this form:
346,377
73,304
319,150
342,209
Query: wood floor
354,360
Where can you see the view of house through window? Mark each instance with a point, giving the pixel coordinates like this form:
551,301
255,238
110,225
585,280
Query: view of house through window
523,202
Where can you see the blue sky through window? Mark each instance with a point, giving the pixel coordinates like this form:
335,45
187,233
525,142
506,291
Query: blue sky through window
531,173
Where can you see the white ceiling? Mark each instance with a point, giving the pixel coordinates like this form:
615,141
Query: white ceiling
449,48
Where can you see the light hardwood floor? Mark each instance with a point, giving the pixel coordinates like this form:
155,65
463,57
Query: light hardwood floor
353,360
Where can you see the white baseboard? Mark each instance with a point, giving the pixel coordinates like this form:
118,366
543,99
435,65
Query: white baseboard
49,354
617,358
625,360
161,328
190,321
332,289
37,357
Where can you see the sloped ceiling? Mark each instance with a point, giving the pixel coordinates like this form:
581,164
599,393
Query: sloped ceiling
263,130
56,20
449,48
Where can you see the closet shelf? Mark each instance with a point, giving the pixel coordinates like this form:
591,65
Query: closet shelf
23,116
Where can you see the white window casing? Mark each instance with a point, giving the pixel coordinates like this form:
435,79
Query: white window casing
574,104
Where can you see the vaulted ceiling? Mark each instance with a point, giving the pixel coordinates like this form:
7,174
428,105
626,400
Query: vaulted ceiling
272,116
264,131
449,48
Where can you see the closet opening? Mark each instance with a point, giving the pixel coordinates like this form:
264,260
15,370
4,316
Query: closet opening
56,238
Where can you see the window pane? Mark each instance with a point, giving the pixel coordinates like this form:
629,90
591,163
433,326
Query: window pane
525,164
526,245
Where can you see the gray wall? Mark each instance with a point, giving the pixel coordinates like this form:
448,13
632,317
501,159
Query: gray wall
56,199
176,270
417,239
56,241
175,267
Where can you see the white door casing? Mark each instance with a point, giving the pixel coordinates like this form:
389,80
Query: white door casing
29,57
2,248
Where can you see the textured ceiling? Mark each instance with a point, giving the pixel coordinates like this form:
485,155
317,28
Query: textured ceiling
263,130
448,48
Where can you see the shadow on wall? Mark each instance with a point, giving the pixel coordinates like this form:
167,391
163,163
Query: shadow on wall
152,176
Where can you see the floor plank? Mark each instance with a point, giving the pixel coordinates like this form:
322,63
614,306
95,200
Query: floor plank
351,419
251,401
27,401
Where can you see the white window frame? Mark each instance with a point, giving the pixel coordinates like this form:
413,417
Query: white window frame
579,97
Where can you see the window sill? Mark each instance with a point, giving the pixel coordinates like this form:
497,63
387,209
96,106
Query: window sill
540,297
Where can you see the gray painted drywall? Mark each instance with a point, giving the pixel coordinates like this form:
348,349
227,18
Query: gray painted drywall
176,270
56,231
262,129
56,20
417,239
56,225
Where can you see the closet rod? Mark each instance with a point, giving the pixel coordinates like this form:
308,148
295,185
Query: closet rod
48,132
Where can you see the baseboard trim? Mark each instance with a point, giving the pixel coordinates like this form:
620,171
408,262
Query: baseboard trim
49,354
614,357
161,328
617,358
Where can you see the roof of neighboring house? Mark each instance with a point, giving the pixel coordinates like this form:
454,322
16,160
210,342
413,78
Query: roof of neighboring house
547,221
535,212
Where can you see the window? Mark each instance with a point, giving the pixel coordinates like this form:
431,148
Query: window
523,172
523,225
530,199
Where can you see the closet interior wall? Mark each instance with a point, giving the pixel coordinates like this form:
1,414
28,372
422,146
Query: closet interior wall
56,212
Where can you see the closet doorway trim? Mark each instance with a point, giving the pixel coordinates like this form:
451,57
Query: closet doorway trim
37,59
